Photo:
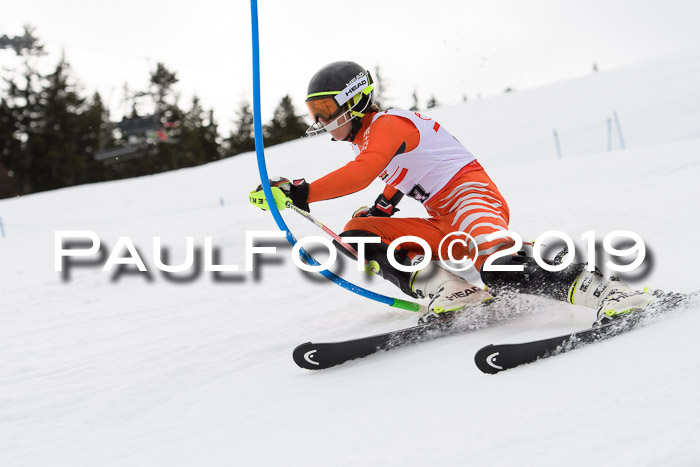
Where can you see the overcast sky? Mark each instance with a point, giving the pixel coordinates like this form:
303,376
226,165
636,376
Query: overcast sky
448,49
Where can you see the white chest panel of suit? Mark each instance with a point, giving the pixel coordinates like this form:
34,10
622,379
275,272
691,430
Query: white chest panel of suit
424,171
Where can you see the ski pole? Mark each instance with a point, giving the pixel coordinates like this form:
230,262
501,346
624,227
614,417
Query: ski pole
369,266
373,268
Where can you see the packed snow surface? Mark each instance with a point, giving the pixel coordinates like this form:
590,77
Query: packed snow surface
102,368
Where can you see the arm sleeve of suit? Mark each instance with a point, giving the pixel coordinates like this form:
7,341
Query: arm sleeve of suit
389,192
389,136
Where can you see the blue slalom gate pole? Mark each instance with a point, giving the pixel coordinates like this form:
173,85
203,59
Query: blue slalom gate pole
619,130
265,181
556,143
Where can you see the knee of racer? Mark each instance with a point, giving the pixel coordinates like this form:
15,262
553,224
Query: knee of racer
491,248
354,233
358,225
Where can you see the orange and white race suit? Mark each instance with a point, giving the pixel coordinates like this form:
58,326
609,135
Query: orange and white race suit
414,154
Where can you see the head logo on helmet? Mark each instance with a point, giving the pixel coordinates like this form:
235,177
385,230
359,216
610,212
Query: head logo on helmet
337,89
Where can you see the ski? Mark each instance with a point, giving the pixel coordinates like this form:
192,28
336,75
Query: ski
493,359
319,356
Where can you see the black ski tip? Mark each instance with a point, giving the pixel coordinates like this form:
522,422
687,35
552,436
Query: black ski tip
303,356
486,359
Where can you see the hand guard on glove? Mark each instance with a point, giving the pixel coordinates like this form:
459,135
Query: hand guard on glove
283,191
382,207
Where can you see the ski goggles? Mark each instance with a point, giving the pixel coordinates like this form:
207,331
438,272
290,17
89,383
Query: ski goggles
323,106
342,117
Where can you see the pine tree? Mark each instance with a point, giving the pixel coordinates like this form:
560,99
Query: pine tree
60,158
414,107
162,82
198,137
209,138
97,118
97,134
20,120
19,117
9,185
49,140
285,125
432,102
379,93
242,138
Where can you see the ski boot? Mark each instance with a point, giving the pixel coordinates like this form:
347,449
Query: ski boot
612,298
449,293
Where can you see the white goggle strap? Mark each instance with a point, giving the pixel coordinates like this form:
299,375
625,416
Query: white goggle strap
355,87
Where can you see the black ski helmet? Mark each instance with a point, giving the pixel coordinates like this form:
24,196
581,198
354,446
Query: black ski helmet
340,86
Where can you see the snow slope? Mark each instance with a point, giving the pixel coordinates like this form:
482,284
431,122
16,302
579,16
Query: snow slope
143,370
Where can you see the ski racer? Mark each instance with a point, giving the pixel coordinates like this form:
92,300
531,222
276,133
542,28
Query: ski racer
417,157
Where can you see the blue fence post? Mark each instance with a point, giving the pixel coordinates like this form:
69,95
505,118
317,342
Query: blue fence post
556,143
609,134
2,228
619,129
